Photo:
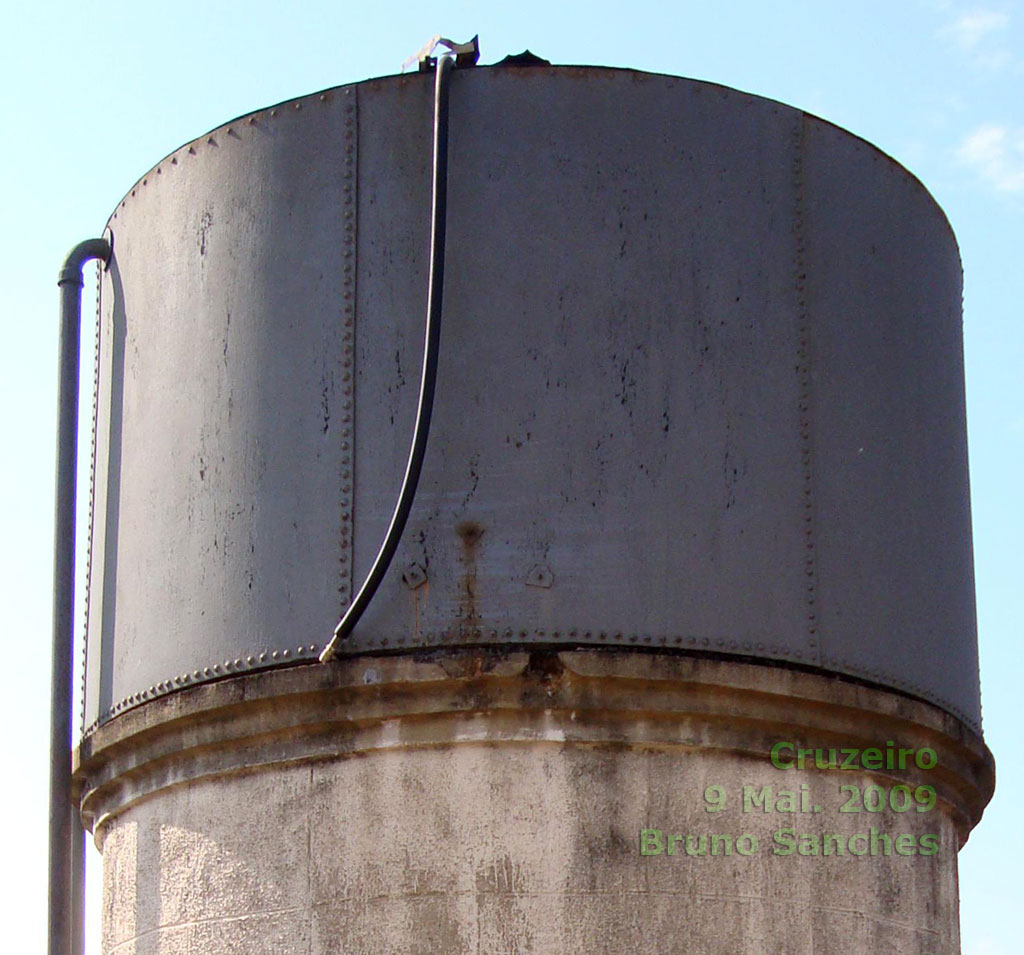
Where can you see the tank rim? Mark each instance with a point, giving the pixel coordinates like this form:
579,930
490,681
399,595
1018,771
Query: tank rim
325,94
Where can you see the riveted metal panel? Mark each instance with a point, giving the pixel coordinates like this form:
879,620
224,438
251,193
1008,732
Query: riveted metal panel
611,410
224,431
883,293
660,348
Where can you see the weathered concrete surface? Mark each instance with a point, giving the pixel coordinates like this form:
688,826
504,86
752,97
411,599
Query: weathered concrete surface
493,803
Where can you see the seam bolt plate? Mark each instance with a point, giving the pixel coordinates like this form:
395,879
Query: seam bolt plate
540,576
414,576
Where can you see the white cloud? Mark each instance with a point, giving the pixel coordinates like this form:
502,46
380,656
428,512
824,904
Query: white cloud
969,29
994,60
997,154
979,34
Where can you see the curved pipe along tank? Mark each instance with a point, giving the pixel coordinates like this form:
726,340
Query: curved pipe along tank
699,429
700,389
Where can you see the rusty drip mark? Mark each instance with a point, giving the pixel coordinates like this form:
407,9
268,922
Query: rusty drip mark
546,667
424,589
469,533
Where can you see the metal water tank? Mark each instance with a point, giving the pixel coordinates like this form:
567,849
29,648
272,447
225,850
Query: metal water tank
699,431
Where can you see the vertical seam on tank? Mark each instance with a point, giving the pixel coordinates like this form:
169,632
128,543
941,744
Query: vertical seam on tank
809,567
92,495
349,227
975,724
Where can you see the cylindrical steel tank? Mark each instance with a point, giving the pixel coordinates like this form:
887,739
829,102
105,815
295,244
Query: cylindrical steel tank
696,486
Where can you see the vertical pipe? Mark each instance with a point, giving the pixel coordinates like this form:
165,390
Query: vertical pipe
66,861
428,379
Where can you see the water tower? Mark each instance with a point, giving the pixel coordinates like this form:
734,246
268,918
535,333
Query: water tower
677,651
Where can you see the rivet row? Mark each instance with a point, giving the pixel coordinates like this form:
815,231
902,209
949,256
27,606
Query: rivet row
508,635
348,320
239,665
92,487
804,402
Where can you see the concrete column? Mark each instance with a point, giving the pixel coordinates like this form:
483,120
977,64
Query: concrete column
491,801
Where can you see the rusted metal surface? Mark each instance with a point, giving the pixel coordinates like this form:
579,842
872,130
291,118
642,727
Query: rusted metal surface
700,389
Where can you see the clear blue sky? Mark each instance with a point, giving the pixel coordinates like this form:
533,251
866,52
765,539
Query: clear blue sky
95,94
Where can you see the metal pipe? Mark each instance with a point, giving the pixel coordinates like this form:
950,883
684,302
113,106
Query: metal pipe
67,858
435,289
